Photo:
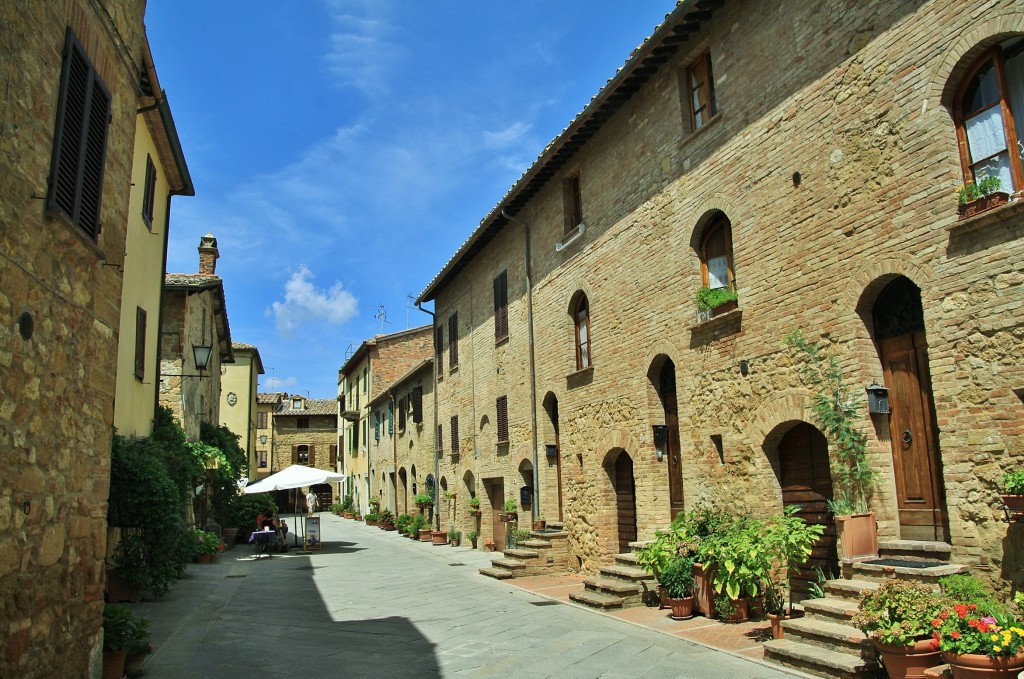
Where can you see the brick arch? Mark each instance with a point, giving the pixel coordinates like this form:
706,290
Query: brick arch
646,382
708,209
790,406
578,286
869,279
616,440
995,27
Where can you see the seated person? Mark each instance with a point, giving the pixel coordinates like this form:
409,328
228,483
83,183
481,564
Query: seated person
282,532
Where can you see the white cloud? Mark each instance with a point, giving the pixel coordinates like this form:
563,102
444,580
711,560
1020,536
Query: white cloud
359,51
303,301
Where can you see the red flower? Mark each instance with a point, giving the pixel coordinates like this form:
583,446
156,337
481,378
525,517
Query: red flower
955,634
972,623
944,614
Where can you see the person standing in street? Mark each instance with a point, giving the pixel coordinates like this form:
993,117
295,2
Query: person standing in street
310,502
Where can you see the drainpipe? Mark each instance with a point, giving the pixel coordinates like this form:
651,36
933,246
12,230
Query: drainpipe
394,453
433,435
533,365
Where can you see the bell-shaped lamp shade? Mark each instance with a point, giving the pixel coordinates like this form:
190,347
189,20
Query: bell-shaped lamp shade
202,355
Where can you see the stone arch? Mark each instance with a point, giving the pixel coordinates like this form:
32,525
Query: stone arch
616,440
712,206
646,388
470,482
870,278
774,418
995,27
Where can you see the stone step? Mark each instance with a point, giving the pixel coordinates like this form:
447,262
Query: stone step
596,599
833,636
929,576
852,590
625,573
621,588
830,608
535,543
497,573
821,662
919,550
510,564
519,553
627,559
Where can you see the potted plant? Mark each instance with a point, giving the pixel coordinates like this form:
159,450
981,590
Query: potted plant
137,646
978,642
897,617
371,518
715,302
473,535
386,521
423,500
439,537
676,580
520,536
790,541
454,537
205,546
539,523
739,562
474,506
509,514
117,625
1013,493
402,523
979,196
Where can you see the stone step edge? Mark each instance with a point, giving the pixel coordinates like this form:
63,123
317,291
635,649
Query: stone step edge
521,553
497,573
830,607
625,573
613,585
816,657
932,573
832,632
510,564
596,599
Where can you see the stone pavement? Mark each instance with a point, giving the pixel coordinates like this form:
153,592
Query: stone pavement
376,605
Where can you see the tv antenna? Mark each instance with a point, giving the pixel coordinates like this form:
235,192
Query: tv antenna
408,307
382,314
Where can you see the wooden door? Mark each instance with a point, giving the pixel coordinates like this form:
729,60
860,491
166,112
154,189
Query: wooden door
806,481
667,391
496,493
625,501
916,466
558,454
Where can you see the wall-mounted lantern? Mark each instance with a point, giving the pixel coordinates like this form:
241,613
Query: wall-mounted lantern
551,449
660,432
263,439
878,399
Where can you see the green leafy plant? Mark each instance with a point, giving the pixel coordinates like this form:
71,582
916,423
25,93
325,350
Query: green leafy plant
474,503
709,299
453,535
386,519
374,504
963,628
898,613
137,637
402,523
347,505
1013,483
117,627
472,535
725,607
510,505
790,540
834,407
739,558
423,499
677,577
204,543
523,534
417,523
982,187
967,588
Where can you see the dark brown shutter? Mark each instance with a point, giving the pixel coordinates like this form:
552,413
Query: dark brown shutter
439,349
140,343
295,454
501,306
417,404
312,455
502,407
402,413
440,439
80,140
148,198
453,340
455,435
334,454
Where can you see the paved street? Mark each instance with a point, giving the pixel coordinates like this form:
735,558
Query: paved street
375,605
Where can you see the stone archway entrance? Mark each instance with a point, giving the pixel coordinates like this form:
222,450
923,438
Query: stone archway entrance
806,482
667,394
903,352
620,470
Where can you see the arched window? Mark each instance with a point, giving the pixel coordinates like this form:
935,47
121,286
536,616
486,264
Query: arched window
989,116
581,319
716,255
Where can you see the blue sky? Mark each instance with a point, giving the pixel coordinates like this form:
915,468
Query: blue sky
342,150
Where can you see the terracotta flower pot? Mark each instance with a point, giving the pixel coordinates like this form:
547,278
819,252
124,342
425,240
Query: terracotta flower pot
971,666
858,535
439,537
979,205
741,613
113,664
133,664
540,525
425,534
703,590
204,558
682,609
908,662
775,620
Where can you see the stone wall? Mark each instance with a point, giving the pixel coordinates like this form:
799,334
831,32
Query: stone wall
854,99
60,301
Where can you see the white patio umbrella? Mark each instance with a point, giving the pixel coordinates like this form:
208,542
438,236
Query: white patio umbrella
295,476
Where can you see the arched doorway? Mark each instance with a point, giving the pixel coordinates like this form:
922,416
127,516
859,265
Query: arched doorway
903,352
620,471
402,499
551,408
667,395
806,482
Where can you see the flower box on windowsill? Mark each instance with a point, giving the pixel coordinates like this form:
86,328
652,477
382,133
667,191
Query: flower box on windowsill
979,205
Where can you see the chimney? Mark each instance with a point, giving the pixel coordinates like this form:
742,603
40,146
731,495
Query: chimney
208,254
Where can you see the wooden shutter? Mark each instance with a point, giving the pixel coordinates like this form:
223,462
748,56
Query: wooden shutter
440,439
455,435
312,455
453,340
80,140
501,306
140,343
417,404
391,418
401,414
334,454
376,425
502,407
439,349
150,192
295,454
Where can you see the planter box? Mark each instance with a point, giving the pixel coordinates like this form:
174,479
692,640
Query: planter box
703,591
439,537
425,534
979,205
858,536
1014,505
508,517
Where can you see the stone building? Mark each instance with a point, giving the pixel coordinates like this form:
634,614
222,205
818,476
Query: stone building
306,433
66,172
238,406
194,332
400,443
374,366
267,404
804,156
158,173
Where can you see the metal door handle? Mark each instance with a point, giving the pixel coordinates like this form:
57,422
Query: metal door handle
907,437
